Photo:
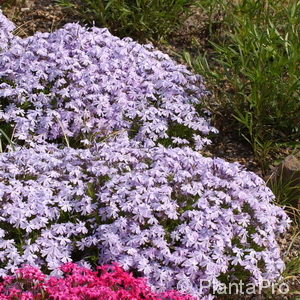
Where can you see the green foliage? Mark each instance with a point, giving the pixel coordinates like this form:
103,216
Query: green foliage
254,68
287,195
141,19
286,191
292,268
5,139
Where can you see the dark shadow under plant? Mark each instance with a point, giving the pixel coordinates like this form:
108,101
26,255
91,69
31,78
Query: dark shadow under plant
143,20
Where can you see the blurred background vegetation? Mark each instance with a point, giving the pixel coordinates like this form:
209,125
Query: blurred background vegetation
253,68
143,20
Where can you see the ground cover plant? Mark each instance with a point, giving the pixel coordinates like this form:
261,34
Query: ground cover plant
171,214
5,34
101,165
107,282
87,84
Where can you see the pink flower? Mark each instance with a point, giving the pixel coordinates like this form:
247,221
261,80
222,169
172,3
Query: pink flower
109,282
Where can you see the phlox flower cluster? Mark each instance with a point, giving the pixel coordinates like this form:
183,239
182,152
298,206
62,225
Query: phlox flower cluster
78,283
6,27
87,84
121,192
173,215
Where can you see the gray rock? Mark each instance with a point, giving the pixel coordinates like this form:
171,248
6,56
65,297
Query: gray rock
287,174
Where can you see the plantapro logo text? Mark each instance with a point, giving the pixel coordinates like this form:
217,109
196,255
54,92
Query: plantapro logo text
235,288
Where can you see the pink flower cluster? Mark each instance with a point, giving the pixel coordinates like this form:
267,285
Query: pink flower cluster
109,282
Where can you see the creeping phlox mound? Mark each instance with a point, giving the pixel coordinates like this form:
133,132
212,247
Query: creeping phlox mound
77,283
87,84
119,192
171,214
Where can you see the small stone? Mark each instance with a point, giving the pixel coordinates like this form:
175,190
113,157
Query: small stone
288,174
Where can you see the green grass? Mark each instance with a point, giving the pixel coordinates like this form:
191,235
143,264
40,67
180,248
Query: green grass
143,20
286,190
5,139
252,65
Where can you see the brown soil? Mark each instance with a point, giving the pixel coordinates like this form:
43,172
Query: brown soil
31,16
